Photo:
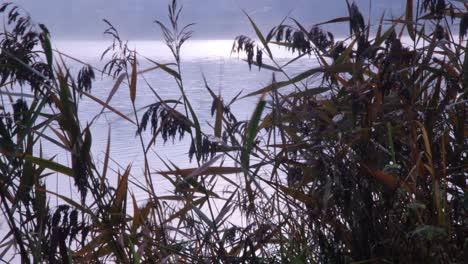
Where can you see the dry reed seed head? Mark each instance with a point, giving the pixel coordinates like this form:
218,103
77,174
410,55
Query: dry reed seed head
165,120
259,58
207,149
217,101
74,218
80,166
463,25
17,16
250,55
121,55
247,45
435,7
280,33
45,31
19,46
225,108
85,78
192,150
288,34
62,229
322,40
357,24
300,43
20,111
241,43
56,219
174,35
338,49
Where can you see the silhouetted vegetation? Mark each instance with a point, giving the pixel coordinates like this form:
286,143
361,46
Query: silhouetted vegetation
366,162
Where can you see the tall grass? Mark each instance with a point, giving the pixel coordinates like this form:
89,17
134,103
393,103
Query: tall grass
366,165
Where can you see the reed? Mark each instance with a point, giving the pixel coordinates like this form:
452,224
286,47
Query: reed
361,159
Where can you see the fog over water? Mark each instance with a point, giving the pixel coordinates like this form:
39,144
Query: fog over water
77,26
113,111
226,74
215,19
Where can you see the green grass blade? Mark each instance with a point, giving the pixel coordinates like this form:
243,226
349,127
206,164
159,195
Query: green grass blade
302,76
48,164
259,35
252,132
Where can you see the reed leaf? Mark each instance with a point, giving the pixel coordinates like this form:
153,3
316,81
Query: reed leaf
133,79
252,132
338,68
409,18
259,35
49,164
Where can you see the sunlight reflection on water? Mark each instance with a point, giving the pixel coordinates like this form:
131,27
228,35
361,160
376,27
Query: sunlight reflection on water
226,74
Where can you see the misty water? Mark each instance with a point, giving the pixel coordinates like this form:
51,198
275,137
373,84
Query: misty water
226,73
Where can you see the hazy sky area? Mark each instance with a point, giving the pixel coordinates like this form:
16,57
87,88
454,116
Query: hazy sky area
215,19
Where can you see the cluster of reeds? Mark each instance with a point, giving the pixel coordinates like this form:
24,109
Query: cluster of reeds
363,161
